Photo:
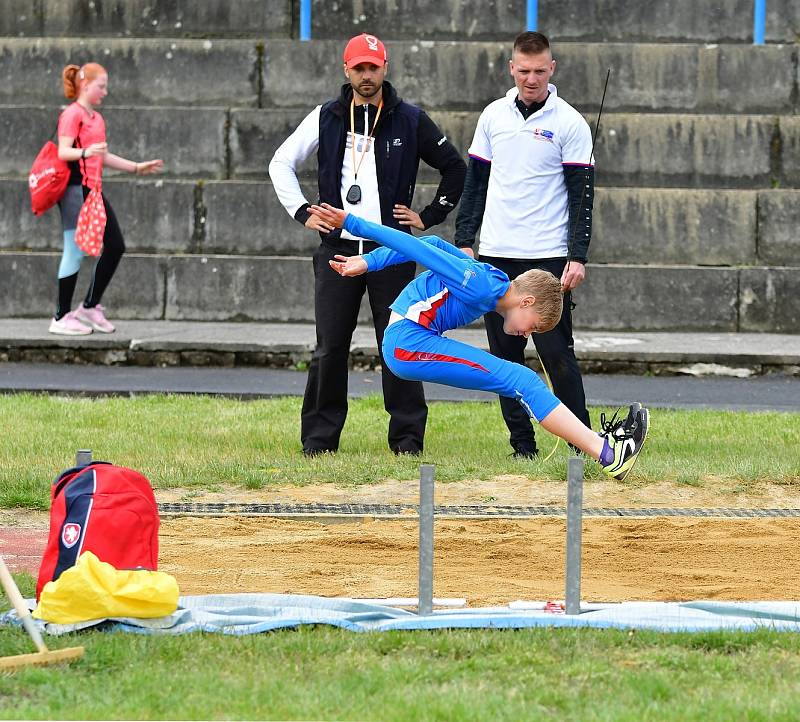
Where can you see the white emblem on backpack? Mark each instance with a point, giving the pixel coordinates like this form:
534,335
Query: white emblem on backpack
70,535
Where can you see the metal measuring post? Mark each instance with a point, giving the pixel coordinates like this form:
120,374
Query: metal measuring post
572,594
83,457
425,591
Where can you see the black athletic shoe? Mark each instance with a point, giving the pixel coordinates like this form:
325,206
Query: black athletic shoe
407,452
525,452
317,452
626,438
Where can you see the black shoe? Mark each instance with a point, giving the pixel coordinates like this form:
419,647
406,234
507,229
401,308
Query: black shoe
525,452
398,451
310,453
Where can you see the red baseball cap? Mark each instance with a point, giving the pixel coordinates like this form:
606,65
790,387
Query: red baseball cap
364,49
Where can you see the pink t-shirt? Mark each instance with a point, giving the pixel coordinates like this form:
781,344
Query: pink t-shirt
76,122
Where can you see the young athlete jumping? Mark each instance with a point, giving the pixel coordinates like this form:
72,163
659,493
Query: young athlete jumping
455,291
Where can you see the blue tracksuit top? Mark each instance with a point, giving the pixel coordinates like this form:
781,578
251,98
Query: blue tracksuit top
455,290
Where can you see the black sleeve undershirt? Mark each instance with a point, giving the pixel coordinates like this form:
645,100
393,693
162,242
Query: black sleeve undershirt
579,180
473,202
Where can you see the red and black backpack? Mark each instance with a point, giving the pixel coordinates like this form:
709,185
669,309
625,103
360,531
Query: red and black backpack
106,509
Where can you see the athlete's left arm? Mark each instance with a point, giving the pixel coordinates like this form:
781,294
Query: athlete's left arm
466,278
441,257
382,257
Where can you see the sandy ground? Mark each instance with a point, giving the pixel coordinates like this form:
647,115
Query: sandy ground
515,491
487,562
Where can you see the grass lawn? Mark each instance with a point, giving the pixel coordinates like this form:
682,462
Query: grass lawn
326,673
203,442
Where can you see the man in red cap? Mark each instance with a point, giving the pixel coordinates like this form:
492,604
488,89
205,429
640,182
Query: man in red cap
368,143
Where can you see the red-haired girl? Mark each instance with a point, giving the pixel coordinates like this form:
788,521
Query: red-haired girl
82,143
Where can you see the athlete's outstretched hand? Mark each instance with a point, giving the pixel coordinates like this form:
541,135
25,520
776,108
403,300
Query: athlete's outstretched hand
329,215
349,265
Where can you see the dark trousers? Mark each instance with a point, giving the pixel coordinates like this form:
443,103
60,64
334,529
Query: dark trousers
336,304
113,248
556,349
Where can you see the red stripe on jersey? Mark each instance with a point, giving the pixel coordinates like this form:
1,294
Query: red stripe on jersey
427,316
402,355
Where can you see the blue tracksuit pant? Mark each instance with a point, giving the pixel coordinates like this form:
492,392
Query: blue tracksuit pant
416,353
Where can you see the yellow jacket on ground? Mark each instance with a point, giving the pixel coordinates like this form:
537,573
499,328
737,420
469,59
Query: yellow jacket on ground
94,590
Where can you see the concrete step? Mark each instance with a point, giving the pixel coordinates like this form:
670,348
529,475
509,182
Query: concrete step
284,345
634,150
263,288
632,225
626,20
612,20
192,141
147,18
437,75
661,150
142,72
467,76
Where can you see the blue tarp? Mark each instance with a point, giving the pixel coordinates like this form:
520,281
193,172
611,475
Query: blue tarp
240,614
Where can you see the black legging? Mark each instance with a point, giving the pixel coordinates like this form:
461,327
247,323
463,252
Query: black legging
113,248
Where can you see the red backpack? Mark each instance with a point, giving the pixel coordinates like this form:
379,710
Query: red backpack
106,509
48,179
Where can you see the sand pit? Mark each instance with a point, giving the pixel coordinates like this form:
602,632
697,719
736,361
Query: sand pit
488,562
493,561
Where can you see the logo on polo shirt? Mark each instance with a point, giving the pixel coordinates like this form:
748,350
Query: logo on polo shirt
542,134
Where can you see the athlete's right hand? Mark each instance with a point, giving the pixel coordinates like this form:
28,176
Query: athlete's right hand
96,149
349,265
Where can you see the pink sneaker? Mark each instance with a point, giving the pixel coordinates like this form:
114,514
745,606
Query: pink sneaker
95,318
68,325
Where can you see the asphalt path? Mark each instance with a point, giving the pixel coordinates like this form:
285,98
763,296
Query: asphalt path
761,393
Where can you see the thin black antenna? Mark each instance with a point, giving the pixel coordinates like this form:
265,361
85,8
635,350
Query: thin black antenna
591,158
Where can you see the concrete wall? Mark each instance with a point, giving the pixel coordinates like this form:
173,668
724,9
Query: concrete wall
620,20
146,18
141,71
192,141
648,226
625,20
698,181
657,150
442,76
262,288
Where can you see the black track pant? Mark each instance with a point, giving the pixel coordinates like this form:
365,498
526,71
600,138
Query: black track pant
113,248
556,348
336,304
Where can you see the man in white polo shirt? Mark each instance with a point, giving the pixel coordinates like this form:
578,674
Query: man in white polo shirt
529,187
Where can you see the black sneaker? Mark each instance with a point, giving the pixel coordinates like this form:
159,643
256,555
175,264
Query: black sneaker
525,452
626,438
311,453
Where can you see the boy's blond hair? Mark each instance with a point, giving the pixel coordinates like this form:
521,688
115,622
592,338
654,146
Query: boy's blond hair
547,290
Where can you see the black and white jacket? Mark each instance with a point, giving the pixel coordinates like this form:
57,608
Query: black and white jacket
404,135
